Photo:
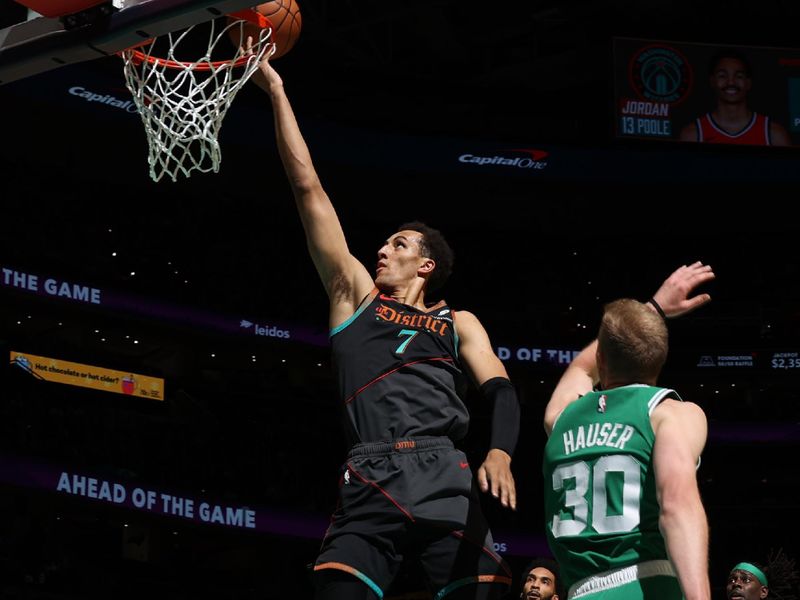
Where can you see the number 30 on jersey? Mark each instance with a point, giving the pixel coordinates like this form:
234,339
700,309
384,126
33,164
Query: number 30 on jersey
591,492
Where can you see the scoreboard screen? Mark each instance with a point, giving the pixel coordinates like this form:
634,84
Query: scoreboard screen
706,93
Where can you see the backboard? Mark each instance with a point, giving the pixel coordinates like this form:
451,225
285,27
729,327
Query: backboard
72,31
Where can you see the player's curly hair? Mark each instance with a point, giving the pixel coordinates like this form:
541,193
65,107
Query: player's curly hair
549,564
782,575
433,245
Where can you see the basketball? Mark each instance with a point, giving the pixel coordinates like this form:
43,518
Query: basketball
284,15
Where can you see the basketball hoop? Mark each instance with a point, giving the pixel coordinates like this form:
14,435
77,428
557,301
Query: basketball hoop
182,104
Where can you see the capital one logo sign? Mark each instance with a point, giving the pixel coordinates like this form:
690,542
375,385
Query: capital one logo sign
518,158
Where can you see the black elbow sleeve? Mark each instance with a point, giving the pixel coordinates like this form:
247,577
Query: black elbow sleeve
505,413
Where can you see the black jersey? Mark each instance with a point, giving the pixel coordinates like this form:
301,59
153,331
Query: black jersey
399,371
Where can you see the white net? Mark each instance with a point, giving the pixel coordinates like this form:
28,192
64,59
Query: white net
182,104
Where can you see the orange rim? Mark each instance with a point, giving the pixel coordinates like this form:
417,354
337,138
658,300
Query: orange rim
248,14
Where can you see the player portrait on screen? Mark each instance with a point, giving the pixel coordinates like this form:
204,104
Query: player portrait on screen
732,120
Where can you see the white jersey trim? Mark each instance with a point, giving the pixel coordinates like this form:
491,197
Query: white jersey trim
729,135
608,580
658,397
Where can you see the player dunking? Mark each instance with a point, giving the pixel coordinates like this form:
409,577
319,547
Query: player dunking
404,489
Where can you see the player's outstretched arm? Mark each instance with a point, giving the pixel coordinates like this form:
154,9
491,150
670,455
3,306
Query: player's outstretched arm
673,299
345,279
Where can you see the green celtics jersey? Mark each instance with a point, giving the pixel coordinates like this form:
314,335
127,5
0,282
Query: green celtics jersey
599,485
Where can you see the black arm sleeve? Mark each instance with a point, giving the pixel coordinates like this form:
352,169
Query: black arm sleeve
505,413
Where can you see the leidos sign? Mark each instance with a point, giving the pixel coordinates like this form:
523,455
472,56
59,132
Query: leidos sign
265,330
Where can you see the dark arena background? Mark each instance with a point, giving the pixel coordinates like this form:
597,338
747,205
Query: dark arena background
498,123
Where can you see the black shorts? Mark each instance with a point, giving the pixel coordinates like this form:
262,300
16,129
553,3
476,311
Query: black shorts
415,498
